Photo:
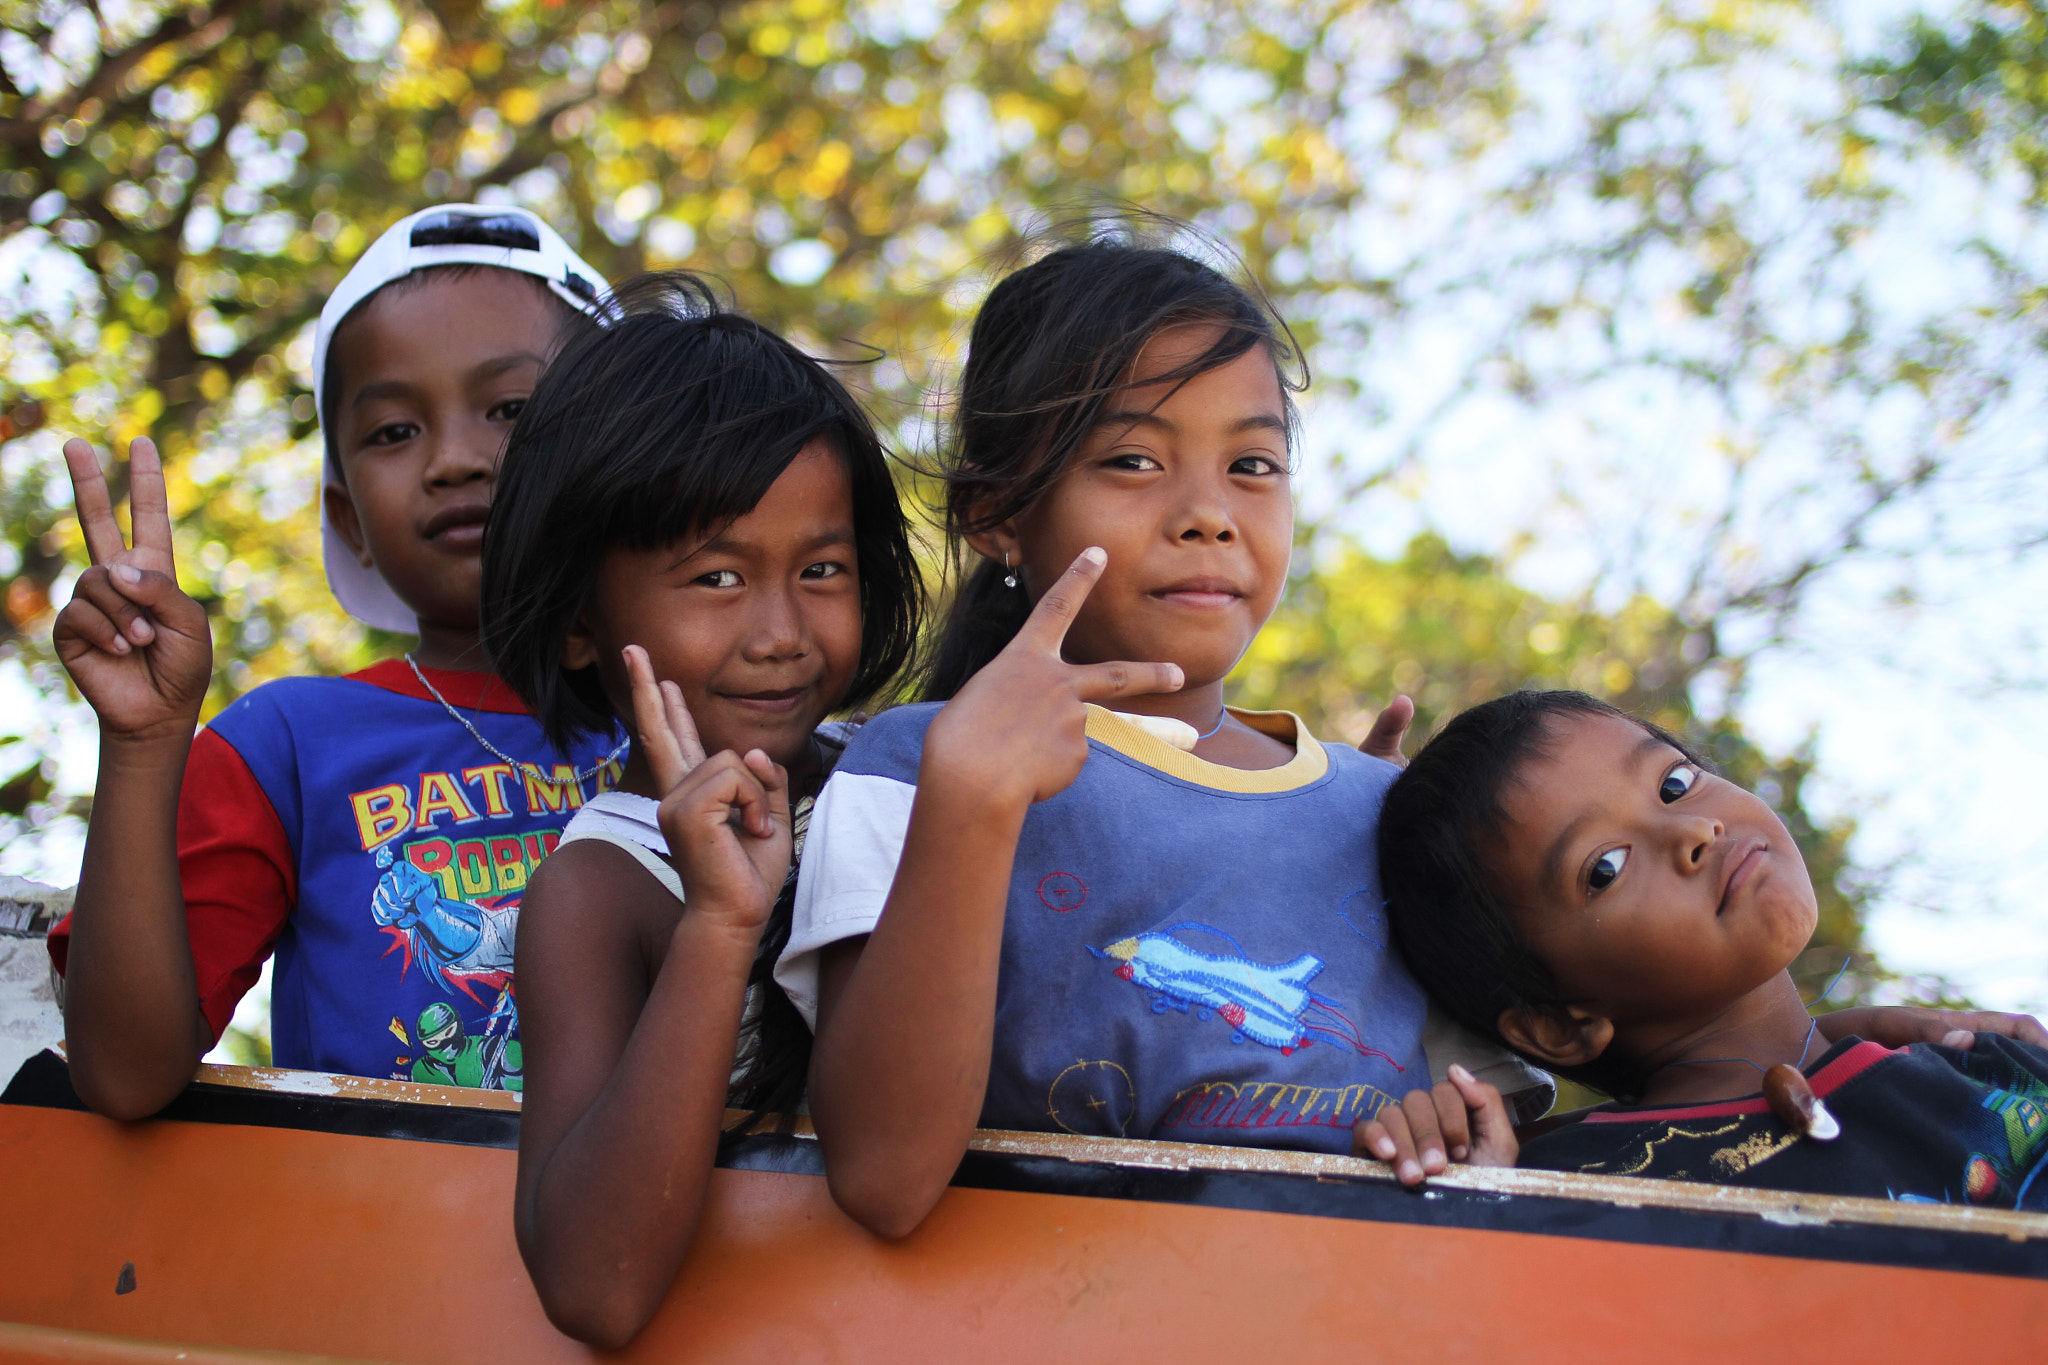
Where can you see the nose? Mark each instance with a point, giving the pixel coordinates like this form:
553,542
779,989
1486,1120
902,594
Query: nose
461,451
1203,513
1694,837
776,629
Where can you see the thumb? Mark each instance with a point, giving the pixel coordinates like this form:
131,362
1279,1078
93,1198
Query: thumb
144,587
160,595
1389,728
1493,1132
774,781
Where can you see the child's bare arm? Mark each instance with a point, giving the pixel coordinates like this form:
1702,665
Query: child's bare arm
625,1087
626,1080
1904,1025
1461,1120
906,1018
140,653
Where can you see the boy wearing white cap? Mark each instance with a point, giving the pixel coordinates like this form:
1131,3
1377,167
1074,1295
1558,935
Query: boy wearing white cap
375,830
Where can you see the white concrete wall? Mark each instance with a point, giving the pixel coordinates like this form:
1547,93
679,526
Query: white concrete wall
29,1018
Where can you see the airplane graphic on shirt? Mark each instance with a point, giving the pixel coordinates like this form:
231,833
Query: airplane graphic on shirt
1269,1004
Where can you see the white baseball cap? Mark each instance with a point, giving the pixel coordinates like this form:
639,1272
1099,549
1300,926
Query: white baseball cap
447,234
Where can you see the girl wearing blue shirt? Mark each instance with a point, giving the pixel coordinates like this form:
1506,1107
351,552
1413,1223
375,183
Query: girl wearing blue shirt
1083,895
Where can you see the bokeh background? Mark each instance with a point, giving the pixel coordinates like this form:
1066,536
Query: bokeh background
1690,353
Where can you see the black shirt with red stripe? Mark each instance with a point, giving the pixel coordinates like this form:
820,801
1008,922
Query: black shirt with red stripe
1923,1123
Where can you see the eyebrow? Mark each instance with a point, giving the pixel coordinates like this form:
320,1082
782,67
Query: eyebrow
1264,421
497,365
1553,857
736,548
483,370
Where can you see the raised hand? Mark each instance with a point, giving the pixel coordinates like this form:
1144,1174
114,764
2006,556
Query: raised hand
1389,728
1462,1120
137,647
1017,731
725,816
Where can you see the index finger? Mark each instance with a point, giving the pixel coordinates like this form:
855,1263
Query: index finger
149,506
103,539
650,722
1047,625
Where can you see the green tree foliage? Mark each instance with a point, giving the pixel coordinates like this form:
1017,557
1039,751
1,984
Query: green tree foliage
181,185
1978,80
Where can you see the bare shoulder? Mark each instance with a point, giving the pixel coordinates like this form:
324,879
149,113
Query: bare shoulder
590,888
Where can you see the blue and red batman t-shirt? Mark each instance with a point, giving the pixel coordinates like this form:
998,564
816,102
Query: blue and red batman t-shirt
358,830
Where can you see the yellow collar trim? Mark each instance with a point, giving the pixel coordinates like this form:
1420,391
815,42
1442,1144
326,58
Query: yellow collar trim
1308,764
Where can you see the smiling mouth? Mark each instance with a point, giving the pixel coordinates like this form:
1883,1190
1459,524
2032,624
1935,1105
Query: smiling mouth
777,702
1202,594
1744,861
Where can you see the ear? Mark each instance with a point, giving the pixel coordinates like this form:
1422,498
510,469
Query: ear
579,650
997,542
1570,1039
341,512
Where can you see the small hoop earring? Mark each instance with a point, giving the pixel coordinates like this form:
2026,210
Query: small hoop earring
1009,574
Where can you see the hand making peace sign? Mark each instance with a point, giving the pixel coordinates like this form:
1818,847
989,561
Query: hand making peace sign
138,648
1017,731
726,817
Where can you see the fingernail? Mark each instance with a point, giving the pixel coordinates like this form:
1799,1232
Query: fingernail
120,644
127,573
1095,555
1408,1171
1179,678
1460,1153
1958,1038
1432,1159
1385,1147
1459,1073
139,631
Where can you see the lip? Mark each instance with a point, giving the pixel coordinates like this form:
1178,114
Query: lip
768,702
1202,594
460,526
1743,862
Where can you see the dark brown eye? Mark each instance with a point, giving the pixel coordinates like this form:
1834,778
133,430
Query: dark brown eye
1678,782
1606,868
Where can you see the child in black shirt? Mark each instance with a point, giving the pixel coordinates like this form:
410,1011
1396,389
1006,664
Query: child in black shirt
1576,883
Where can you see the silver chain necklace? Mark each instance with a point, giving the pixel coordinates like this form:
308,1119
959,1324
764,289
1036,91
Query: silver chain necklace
529,769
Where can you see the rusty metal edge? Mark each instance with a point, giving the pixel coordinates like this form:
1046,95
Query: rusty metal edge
1776,1206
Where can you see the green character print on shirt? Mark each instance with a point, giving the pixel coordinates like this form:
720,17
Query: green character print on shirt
452,1057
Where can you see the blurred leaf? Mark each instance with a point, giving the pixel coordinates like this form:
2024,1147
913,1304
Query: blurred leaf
24,789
